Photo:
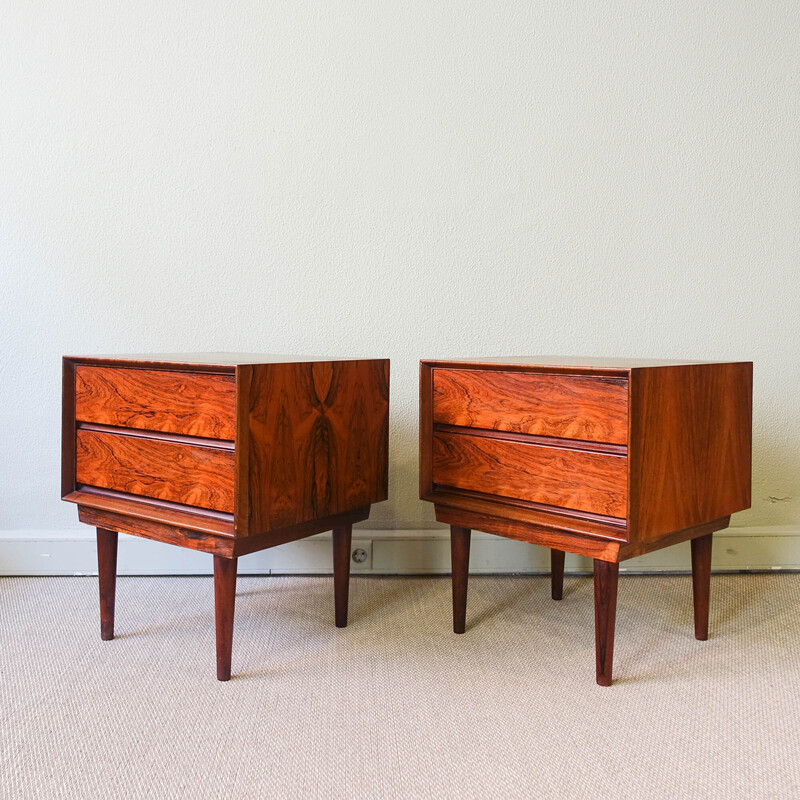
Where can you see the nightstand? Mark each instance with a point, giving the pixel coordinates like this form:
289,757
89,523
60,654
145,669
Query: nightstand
606,458
223,453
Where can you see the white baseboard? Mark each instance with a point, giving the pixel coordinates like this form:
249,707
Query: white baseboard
400,552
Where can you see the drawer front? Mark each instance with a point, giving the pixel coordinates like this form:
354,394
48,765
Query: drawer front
589,408
194,475
173,402
555,476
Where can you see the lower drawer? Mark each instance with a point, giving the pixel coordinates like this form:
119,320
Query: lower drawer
194,475
596,483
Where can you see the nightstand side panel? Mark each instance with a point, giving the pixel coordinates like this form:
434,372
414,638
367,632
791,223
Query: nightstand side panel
690,446
318,440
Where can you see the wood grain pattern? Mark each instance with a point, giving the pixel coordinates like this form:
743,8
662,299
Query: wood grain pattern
566,406
169,533
319,435
192,475
690,449
173,402
593,482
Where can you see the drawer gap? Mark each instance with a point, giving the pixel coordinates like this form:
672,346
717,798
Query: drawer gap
140,433
535,439
190,368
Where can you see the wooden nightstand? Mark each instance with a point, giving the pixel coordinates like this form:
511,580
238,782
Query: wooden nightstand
224,453
605,458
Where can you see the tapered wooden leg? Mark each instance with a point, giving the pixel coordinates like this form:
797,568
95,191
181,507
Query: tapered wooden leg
342,540
606,575
459,553
701,584
224,600
107,575
557,574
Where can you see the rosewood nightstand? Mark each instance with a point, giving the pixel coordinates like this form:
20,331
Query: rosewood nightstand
224,453
606,458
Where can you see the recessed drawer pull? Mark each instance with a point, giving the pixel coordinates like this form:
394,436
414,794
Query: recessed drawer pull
176,438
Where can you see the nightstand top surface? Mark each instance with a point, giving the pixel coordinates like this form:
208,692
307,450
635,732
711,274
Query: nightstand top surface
210,359
581,362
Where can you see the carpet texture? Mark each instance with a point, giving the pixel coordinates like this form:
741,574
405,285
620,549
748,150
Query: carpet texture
396,705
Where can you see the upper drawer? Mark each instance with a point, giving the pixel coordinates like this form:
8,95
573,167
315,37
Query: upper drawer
590,408
194,404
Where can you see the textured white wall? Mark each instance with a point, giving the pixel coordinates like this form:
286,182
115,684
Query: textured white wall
401,179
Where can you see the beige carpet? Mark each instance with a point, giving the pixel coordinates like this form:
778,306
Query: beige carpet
397,706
